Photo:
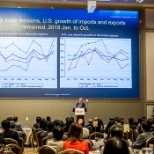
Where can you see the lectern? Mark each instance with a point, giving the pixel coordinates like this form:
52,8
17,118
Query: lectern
79,112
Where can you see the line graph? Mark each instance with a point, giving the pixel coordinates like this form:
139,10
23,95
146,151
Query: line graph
26,61
107,60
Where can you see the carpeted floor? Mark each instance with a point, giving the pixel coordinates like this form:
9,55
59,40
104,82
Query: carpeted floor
30,151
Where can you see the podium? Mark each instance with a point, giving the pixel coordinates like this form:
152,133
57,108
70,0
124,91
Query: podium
79,112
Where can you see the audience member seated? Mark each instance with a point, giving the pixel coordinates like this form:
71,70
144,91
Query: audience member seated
12,127
17,125
61,124
7,132
115,146
131,123
69,121
109,124
43,124
37,124
85,134
90,126
48,118
57,142
140,120
115,131
146,134
75,140
48,133
100,127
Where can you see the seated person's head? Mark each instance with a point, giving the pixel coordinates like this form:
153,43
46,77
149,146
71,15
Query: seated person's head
69,121
75,131
6,124
85,134
117,131
90,121
58,123
50,126
116,146
117,120
15,118
12,124
145,127
131,120
43,123
9,118
38,119
48,118
111,118
58,132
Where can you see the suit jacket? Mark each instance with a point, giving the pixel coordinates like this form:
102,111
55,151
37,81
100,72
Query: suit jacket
11,134
82,105
141,139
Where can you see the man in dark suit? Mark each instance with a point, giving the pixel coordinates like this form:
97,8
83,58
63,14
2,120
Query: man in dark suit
142,138
80,104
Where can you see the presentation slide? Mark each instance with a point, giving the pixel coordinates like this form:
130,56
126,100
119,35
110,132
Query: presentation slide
64,53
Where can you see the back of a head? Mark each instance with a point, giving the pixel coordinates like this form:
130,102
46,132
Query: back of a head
58,132
116,146
15,118
145,125
90,121
117,131
69,121
50,126
75,131
117,120
12,124
111,118
131,120
85,134
38,119
9,118
6,124
58,123
48,118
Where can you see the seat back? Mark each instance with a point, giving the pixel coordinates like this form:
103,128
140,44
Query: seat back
89,144
10,141
9,152
44,140
15,148
96,134
71,151
129,135
45,149
34,135
149,141
39,139
21,143
135,134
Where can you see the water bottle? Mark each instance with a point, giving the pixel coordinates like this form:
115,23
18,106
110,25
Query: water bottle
97,147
